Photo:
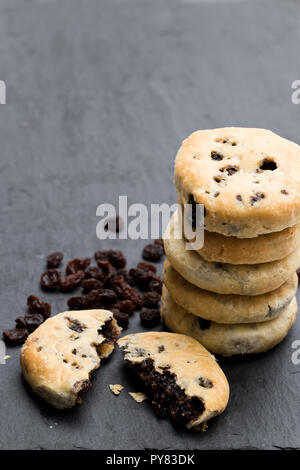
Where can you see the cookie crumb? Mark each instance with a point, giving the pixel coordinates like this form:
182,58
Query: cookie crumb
139,397
202,427
116,388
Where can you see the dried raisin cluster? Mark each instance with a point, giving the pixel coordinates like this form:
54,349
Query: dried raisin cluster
38,312
107,285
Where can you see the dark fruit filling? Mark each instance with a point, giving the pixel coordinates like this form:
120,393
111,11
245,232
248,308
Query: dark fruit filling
15,336
153,252
268,165
109,332
54,259
168,399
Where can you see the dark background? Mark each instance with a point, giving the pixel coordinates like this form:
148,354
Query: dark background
99,96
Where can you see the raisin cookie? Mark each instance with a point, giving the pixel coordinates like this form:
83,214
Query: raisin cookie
59,356
247,179
228,340
262,249
181,378
224,278
228,308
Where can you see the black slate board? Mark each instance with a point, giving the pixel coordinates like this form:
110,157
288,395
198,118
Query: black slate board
99,96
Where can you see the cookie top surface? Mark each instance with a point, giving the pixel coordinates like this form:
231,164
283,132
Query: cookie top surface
195,369
247,179
59,355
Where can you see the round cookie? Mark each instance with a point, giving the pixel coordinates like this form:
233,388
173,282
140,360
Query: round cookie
247,179
182,379
58,358
228,308
262,249
228,340
222,278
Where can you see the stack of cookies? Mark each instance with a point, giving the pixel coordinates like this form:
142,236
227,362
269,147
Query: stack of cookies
236,294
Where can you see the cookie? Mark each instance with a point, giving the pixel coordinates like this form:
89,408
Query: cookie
262,249
181,378
58,358
228,340
224,278
222,308
247,179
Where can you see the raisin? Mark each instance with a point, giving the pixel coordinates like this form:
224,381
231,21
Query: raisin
231,171
71,281
126,306
107,297
144,266
126,292
15,336
204,324
92,300
54,260
108,330
94,272
77,264
151,299
91,284
268,165
116,258
75,325
152,252
129,279
142,278
159,241
77,303
257,197
50,279
30,322
81,386
155,286
108,269
122,318
216,156
35,305
167,398
101,255
149,317
204,382
192,202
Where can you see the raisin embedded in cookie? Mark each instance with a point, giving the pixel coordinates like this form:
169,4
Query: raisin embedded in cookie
222,308
181,378
228,340
224,278
58,358
247,179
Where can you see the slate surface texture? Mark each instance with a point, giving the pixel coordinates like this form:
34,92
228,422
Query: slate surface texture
99,96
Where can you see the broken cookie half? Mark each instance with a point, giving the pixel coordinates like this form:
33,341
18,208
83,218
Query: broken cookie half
181,378
58,358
